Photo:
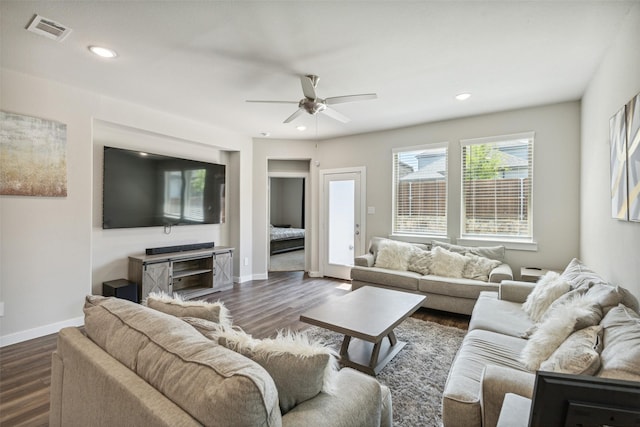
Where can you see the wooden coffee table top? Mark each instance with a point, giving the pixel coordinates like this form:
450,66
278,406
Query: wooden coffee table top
368,313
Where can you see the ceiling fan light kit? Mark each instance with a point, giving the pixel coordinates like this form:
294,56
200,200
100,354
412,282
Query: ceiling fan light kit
313,105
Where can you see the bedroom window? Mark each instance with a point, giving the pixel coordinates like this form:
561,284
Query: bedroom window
497,175
420,190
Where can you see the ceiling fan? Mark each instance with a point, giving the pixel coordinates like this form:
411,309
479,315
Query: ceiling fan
312,104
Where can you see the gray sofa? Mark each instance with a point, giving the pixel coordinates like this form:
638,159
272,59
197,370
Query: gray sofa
490,364
140,367
455,295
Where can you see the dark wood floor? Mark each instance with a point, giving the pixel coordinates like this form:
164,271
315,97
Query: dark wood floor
260,307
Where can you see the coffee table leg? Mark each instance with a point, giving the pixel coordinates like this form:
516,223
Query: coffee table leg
392,338
344,350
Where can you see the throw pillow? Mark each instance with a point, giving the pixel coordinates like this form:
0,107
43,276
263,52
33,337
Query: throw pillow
394,255
447,264
300,368
549,288
579,354
491,252
420,261
478,267
176,306
577,274
621,354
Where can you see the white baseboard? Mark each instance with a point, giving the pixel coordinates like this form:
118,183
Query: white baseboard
315,274
38,332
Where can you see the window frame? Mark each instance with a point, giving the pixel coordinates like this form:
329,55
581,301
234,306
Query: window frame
526,242
427,234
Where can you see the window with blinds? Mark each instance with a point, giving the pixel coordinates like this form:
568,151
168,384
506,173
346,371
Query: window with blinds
497,175
420,190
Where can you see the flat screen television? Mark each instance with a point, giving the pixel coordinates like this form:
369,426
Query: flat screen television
142,189
584,401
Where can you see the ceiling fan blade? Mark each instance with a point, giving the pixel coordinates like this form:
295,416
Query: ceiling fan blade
273,102
294,115
309,86
350,98
335,115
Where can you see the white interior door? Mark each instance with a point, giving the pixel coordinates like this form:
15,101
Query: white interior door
342,221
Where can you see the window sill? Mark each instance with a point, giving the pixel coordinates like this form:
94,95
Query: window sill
516,245
419,238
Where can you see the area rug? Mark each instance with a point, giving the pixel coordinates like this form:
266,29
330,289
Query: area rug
416,376
288,261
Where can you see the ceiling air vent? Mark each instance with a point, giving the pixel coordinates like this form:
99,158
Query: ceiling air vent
48,28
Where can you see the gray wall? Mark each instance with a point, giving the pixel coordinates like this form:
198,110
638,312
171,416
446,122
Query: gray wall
609,246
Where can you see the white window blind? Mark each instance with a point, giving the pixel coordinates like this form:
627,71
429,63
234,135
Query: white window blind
420,190
497,175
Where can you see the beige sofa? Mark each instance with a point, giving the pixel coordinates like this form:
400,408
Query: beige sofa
490,362
140,367
452,294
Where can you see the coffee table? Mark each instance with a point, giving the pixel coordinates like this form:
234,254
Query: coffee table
366,317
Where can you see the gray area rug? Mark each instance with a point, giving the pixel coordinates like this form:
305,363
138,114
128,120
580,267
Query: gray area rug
416,376
288,261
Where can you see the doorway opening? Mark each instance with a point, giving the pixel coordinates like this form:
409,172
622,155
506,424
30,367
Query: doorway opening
287,228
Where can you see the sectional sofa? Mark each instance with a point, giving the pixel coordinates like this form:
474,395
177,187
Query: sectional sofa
431,270
581,325
139,366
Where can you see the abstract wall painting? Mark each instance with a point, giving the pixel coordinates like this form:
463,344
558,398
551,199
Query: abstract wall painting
32,156
633,157
618,138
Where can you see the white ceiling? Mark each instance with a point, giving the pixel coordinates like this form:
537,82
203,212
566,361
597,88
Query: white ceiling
203,59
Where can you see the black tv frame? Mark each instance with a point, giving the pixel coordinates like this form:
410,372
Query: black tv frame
581,400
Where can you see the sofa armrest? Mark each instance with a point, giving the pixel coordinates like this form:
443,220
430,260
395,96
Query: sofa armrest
359,400
500,273
496,382
514,291
365,260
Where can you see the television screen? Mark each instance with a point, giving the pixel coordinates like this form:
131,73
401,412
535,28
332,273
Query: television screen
146,190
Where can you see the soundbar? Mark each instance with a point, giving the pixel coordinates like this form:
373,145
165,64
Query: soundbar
179,248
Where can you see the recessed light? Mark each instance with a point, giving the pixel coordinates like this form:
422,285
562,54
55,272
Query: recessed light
301,128
103,52
463,96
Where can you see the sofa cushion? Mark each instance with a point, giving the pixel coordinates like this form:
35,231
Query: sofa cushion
492,252
407,280
462,288
478,267
300,368
213,384
548,289
446,263
621,353
176,306
500,316
461,397
579,354
393,255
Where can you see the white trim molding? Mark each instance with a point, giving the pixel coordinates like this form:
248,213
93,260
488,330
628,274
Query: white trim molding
40,331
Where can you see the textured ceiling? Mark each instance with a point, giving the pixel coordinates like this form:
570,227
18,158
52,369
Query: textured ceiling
204,59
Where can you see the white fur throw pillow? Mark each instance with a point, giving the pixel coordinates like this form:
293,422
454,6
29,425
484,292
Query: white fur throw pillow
447,264
478,267
549,288
420,261
394,255
299,367
579,354
177,306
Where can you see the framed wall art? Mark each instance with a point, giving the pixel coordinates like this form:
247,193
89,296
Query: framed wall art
32,156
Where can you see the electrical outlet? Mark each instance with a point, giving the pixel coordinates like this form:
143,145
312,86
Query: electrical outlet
1,309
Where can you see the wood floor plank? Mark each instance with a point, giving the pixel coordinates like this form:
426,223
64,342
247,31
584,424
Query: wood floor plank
260,307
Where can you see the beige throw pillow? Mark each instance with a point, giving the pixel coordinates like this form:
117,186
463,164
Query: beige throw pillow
478,267
300,368
420,261
447,264
579,354
549,288
394,255
621,354
176,306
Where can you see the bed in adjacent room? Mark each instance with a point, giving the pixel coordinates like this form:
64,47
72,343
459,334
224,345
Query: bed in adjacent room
286,239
